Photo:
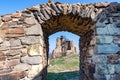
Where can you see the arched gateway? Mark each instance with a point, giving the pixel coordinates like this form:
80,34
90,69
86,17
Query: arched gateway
24,39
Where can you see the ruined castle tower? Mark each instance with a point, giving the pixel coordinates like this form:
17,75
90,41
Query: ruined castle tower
64,47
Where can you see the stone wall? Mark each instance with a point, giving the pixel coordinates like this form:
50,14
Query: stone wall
63,47
24,39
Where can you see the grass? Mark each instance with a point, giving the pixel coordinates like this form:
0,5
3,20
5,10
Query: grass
63,68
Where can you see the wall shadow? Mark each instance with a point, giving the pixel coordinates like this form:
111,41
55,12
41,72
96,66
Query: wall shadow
67,75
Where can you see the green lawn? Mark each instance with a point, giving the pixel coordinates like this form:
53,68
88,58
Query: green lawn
63,68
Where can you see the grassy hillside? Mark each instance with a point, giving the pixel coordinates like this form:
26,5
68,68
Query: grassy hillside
64,68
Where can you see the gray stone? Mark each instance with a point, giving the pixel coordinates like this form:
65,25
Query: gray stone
110,29
109,49
21,67
99,59
31,60
55,8
105,69
34,30
117,68
30,20
30,39
15,42
5,44
104,39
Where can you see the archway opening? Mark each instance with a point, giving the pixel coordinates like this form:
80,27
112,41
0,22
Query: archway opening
63,62
81,26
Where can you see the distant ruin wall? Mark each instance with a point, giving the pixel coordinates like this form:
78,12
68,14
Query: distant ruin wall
64,47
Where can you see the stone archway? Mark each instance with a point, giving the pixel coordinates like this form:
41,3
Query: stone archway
24,39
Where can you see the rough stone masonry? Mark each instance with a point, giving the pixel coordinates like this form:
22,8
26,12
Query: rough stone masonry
24,39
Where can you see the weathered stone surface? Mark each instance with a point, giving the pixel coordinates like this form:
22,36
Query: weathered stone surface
34,30
104,39
110,29
5,44
31,60
3,58
1,40
6,18
13,62
99,59
2,53
35,50
13,52
21,67
30,39
117,70
30,20
16,15
105,69
35,71
16,31
110,49
15,42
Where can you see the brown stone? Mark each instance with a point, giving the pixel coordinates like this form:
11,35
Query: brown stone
3,58
2,53
2,65
4,24
1,40
6,18
16,31
4,31
15,42
113,57
13,62
16,15
19,74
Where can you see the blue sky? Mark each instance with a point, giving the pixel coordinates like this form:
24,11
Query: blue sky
11,6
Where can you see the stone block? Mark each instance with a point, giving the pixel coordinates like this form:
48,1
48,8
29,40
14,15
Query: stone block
15,42
32,60
13,53
34,30
16,31
113,57
6,18
3,58
104,39
13,62
109,49
35,71
35,50
110,29
99,59
30,39
16,15
117,68
112,77
2,53
5,44
116,39
30,20
105,69
21,67
1,40
24,52
99,24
